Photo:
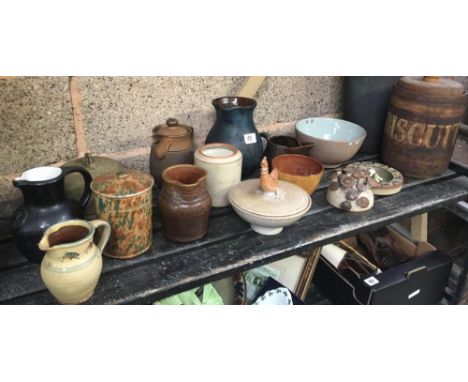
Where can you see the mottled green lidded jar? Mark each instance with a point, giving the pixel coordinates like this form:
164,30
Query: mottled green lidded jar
124,199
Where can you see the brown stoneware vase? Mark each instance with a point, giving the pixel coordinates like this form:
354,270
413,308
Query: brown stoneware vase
184,203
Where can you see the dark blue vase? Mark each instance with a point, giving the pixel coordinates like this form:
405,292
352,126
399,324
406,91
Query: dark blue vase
234,125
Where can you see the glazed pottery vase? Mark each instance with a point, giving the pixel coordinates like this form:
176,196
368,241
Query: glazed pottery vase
172,145
184,203
72,264
45,204
223,164
95,165
234,125
124,200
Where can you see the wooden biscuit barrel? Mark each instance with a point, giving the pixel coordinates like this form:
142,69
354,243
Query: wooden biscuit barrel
422,125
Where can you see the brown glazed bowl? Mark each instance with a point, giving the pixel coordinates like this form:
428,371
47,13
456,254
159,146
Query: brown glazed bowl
303,171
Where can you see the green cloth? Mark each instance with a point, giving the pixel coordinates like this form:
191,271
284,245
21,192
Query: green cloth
210,297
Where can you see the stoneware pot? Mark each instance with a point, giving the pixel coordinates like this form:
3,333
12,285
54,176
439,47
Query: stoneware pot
44,205
172,144
72,264
223,164
95,165
124,200
234,125
283,144
349,190
335,140
303,171
184,203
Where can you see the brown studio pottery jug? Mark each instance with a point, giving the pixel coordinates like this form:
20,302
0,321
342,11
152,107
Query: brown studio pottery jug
422,125
172,145
184,203
45,204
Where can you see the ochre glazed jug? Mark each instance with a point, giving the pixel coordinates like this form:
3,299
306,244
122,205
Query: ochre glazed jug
72,264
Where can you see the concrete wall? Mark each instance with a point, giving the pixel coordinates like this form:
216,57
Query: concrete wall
36,117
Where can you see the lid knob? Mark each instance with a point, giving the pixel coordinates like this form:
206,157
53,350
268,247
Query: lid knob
122,175
89,159
171,122
430,79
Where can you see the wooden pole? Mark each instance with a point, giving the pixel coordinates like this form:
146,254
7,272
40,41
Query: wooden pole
77,107
250,87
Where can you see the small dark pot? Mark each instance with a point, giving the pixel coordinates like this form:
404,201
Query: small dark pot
184,203
283,144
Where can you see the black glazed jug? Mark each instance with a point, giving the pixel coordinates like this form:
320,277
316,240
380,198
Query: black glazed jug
44,205
235,125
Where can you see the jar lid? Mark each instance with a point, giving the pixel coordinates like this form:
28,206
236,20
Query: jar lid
122,184
437,86
289,199
95,164
172,128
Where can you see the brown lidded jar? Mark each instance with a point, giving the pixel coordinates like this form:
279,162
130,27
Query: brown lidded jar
184,203
124,200
172,144
422,125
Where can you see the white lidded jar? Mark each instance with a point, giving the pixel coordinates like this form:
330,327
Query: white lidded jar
223,163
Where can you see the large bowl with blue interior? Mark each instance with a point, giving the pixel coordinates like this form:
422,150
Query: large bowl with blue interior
335,140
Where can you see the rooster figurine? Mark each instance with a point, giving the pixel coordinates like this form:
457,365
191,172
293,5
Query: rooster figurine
268,182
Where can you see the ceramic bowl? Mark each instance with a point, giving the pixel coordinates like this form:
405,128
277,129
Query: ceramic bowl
301,170
335,140
268,214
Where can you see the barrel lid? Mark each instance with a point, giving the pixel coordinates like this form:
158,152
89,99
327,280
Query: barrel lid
122,183
437,86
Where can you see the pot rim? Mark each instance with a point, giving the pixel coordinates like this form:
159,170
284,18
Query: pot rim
78,222
218,102
184,185
308,158
228,146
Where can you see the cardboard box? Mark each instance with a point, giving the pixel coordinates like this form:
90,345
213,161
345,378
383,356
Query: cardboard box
419,281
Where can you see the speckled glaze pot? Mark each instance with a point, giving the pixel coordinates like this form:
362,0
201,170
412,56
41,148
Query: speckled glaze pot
72,264
184,203
124,199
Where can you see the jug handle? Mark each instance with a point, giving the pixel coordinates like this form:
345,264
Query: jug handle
162,147
105,234
87,182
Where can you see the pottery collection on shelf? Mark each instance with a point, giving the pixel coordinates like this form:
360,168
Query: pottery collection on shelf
49,229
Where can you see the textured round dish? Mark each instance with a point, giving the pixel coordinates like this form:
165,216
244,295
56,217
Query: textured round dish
335,140
301,170
268,213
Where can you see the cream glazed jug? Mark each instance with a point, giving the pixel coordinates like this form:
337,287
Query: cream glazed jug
72,264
